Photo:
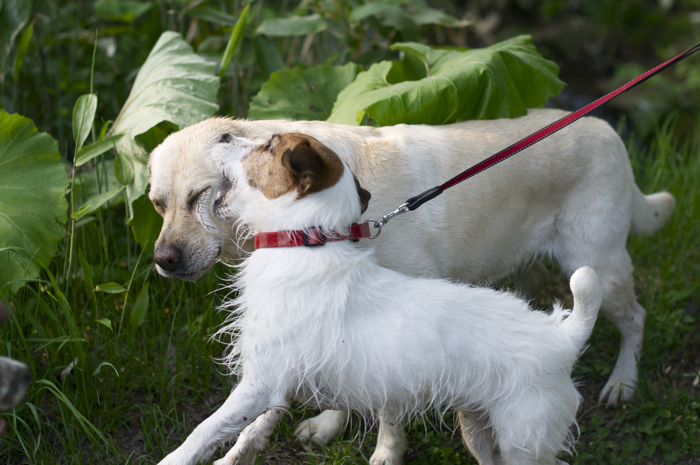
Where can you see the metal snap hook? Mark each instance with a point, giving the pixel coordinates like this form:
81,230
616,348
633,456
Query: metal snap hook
378,227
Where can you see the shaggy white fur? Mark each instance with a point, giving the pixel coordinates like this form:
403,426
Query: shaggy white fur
328,326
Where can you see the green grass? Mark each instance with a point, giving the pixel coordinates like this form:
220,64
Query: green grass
136,391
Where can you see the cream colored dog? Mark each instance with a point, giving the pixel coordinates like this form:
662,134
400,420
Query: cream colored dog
571,197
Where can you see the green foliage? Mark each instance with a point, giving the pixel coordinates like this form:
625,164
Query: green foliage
126,11
33,206
110,288
87,153
267,56
138,312
292,26
211,14
22,50
404,14
174,85
96,202
499,81
123,170
146,223
83,117
234,41
302,94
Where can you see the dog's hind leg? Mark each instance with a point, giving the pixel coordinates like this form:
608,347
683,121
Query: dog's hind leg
322,428
628,317
620,306
253,439
593,232
391,443
478,437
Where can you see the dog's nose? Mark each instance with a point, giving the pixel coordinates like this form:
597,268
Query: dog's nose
169,258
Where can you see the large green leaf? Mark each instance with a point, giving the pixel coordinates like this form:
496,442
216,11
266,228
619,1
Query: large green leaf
502,80
33,205
175,85
302,94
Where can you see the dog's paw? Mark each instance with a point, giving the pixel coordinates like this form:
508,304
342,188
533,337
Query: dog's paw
238,457
322,428
616,391
386,456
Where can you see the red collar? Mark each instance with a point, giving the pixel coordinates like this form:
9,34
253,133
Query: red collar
311,237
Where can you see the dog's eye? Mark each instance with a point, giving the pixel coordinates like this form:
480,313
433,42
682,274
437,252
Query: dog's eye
194,198
225,138
159,205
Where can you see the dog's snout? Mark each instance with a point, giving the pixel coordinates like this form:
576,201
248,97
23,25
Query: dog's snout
169,258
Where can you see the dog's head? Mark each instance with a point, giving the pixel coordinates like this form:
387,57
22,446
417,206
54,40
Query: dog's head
292,181
206,182
14,376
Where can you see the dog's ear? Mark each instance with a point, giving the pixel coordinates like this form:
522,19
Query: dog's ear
363,194
312,166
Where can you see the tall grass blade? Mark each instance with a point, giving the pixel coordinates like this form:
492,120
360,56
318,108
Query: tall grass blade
234,40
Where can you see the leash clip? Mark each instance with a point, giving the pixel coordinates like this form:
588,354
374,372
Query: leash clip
403,208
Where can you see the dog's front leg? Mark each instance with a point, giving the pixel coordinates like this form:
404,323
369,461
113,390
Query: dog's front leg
391,443
253,439
244,405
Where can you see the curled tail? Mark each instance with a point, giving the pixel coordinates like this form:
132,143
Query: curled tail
650,212
588,295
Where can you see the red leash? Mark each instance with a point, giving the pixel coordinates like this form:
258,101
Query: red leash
418,200
317,237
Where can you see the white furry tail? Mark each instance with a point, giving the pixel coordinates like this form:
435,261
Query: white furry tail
650,212
588,295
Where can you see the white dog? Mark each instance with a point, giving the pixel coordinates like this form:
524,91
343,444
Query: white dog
571,197
329,326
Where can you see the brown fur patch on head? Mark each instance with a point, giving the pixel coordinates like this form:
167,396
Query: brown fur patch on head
292,162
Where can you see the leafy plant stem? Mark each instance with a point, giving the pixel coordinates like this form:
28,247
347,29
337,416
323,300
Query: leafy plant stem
92,67
128,288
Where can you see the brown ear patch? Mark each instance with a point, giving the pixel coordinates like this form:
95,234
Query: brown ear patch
290,162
